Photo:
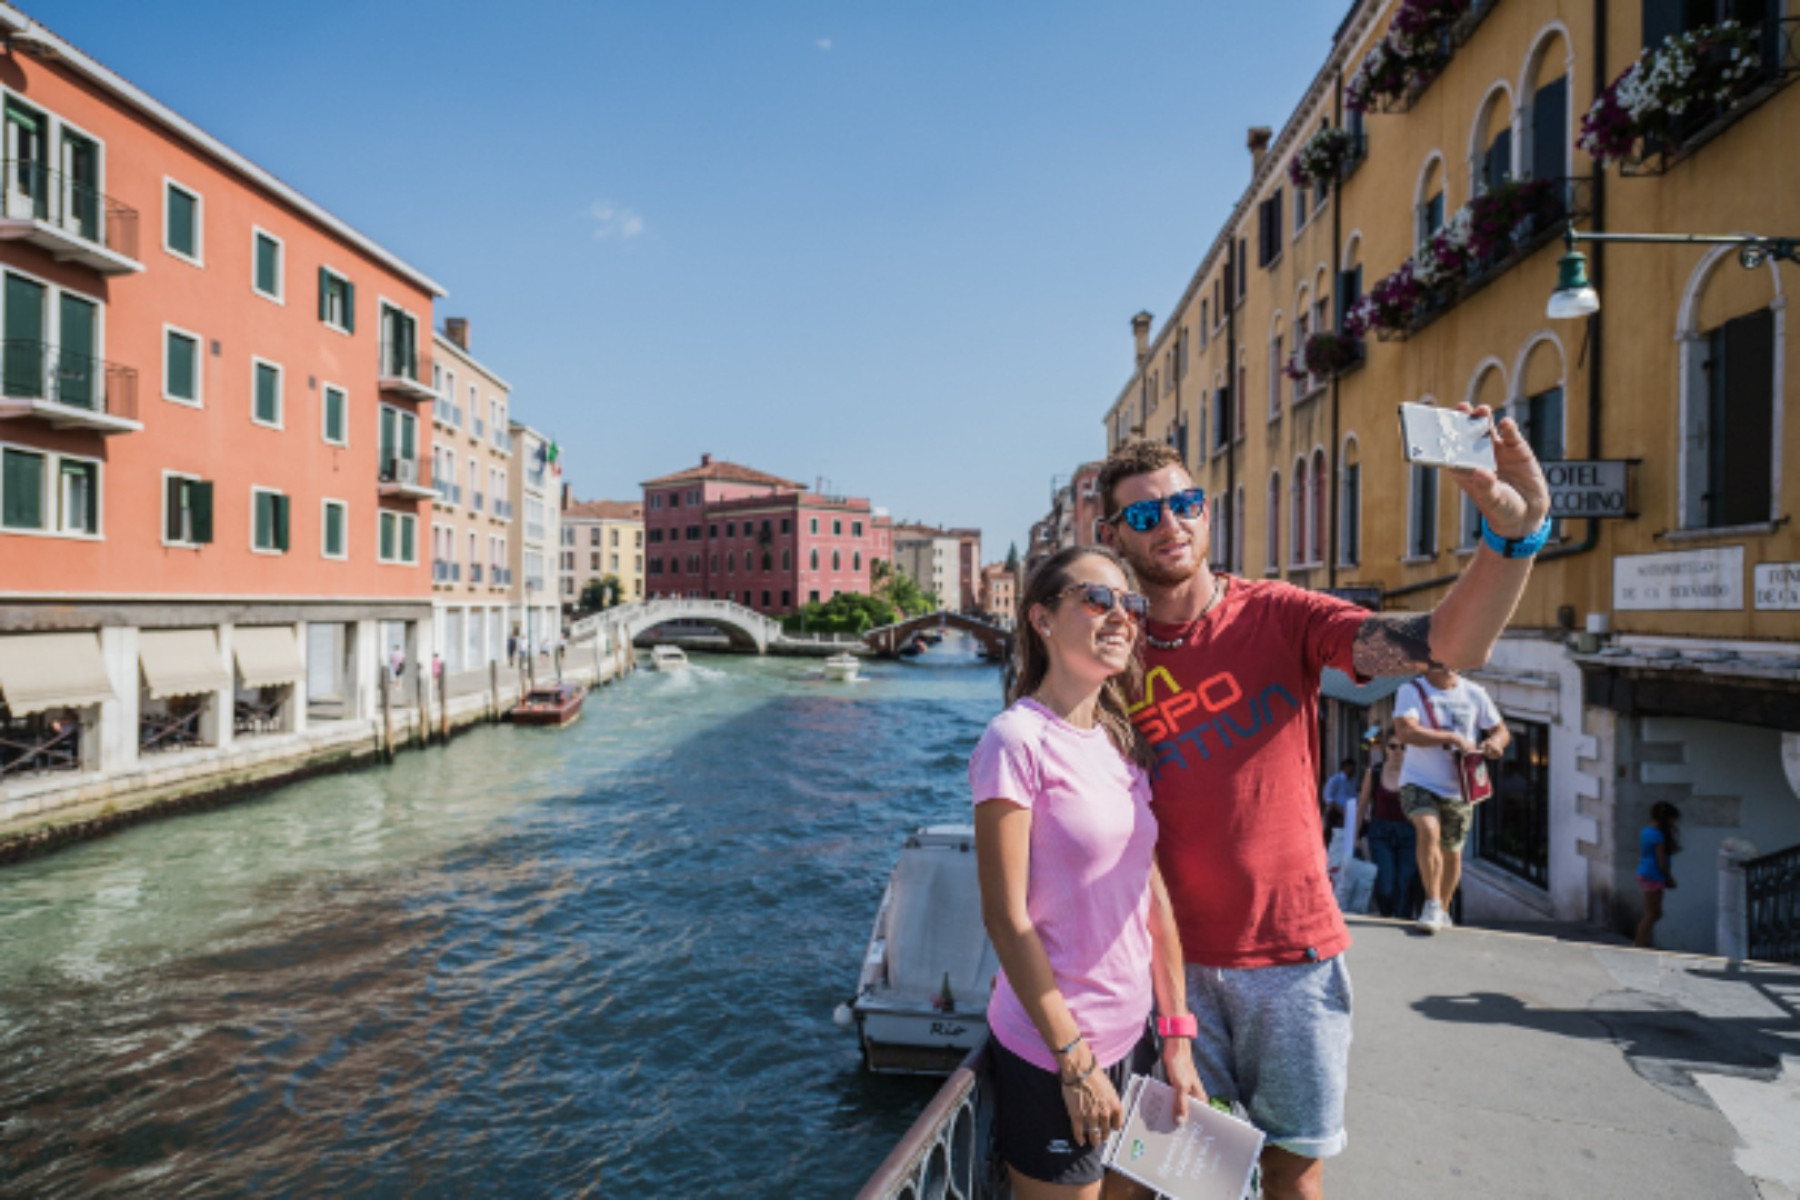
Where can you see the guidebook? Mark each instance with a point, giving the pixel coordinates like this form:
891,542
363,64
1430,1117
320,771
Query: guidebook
1209,1157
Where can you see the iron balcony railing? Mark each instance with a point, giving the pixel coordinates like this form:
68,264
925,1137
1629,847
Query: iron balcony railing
474,572
34,370
445,571
502,576
1772,888
37,191
449,493
397,469
503,509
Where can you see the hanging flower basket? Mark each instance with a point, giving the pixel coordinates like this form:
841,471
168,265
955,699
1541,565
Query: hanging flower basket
1417,44
1317,163
1324,356
1699,71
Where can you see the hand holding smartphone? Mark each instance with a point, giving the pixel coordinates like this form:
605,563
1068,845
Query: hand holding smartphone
1444,437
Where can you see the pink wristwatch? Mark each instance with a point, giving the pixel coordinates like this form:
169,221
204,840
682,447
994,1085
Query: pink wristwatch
1183,1026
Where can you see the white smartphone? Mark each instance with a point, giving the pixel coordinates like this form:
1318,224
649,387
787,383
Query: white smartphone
1444,437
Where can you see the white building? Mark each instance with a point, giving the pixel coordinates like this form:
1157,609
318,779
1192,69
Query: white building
934,563
536,483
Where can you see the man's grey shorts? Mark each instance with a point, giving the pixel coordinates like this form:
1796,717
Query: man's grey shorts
1277,1040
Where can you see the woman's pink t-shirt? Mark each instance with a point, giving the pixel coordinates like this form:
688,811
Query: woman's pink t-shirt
1093,840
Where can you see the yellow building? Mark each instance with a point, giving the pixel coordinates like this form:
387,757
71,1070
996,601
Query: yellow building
1657,652
601,538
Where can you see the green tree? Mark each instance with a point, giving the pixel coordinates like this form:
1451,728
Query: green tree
1012,558
602,593
846,612
904,593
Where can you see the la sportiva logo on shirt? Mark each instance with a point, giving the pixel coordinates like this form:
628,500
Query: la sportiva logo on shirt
1178,725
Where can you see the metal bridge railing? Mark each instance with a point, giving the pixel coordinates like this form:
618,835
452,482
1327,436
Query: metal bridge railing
948,1152
1772,890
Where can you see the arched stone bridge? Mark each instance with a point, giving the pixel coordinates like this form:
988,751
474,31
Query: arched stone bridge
746,628
996,642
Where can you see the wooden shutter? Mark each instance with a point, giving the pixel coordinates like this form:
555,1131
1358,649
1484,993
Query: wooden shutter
172,508
200,506
324,294
349,306
1498,165
1742,430
278,509
1550,130
408,534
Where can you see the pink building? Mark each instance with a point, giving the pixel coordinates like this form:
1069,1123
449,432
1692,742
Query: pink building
723,531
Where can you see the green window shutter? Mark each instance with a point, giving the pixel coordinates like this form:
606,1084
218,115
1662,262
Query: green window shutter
268,394
264,531
21,490
172,508
334,529
268,265
408,527
409,436
179,215
178,370
75,377
334,415
388,420
387,536
324,293
200,501
280,506
349,306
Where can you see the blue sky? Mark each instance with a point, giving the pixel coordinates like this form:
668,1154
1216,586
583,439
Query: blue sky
893,247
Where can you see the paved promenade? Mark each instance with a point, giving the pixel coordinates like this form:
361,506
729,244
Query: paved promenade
1494,1064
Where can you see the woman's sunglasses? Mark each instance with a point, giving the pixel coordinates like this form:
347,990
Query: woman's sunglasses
1146,515
1099,600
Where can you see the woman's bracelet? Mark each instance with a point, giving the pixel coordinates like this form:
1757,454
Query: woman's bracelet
1073,1042
1080,1079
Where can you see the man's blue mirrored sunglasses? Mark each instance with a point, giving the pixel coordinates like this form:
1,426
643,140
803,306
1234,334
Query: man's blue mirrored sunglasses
1146,515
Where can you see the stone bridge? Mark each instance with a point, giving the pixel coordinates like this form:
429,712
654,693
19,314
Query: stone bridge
996,643
746,628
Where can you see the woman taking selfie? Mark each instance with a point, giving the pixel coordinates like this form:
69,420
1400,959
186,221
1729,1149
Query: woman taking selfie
1070,894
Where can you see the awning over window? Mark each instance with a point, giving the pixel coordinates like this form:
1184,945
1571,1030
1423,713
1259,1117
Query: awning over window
39,671
181,662
1335,685
267,655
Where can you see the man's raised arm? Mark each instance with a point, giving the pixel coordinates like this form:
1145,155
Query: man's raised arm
1461,631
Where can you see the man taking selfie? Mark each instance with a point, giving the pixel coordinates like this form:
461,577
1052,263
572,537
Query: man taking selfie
1230,708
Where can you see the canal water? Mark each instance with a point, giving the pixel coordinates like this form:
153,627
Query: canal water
594,962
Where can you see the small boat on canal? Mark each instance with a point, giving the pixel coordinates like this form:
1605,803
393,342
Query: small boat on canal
668,658
921,1001
555,705
843,667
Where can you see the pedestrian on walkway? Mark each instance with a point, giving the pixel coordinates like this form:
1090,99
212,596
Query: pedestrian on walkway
1390,836
1442,717
1230,708
1340,790
512,648
1659,841
1066,849
396,663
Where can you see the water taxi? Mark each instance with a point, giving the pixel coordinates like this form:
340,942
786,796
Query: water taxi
843,667
668,658
555,705
921,1000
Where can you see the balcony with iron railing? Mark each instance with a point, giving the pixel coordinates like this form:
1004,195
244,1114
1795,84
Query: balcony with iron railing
69,217
448,492
398,373
474,573
443,571
70,390
401,478
501,576
503,510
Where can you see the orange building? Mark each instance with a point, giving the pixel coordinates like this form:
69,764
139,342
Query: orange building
212,445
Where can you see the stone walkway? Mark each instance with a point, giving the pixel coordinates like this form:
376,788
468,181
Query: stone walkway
1498,1064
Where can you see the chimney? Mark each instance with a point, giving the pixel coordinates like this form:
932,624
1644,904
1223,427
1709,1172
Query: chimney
1258,141
457,330
706,460
1140,333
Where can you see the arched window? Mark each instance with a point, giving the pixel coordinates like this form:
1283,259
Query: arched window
1303,384
1297,510
1731,325
1272,551
1240,399
1421,508
856,560
787,560
1275,363
1491,142
1547,140
768,561
837,561
1237,530
1349,505
1430,200
1317,524
1321,312
815,558
1350,278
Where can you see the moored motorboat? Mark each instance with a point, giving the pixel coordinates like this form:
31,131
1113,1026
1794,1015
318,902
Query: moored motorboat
555,705
921,1000
668,658
843,667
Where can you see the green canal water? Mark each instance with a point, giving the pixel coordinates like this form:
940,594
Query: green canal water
601,961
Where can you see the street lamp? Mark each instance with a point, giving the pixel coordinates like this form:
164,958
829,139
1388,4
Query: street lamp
1575,296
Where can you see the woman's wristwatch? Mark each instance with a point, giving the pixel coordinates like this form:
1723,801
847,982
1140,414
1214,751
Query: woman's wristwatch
1183,1026
1525,547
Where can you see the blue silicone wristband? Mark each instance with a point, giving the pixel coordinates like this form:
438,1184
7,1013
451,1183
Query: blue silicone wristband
1523,547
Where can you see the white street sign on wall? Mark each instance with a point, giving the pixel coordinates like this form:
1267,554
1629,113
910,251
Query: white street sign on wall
1778,585
1681,579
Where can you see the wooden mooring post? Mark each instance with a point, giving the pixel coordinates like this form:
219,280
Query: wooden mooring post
443,682
387,721
493,689
422,697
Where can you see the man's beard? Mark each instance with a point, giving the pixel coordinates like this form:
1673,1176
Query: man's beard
1152,573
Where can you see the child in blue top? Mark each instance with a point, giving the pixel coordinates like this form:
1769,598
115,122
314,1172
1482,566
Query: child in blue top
1656,844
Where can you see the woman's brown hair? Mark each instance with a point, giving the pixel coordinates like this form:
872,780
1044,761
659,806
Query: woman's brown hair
1031,658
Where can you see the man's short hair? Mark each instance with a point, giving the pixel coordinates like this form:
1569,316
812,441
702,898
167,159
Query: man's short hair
1140,456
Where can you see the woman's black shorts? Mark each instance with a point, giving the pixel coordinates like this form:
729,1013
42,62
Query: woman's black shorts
1031,1122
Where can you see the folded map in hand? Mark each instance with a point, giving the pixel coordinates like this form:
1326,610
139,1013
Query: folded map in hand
1208,1157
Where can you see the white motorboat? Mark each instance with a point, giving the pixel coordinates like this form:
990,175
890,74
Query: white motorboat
844,667
668,658
921,1002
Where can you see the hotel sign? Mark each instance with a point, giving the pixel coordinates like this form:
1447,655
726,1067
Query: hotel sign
1588,489
1680,580
1777,586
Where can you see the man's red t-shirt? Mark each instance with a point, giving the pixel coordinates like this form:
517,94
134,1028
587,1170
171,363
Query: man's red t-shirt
1233,715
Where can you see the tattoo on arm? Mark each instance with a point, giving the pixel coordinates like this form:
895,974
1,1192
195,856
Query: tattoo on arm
1393,644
